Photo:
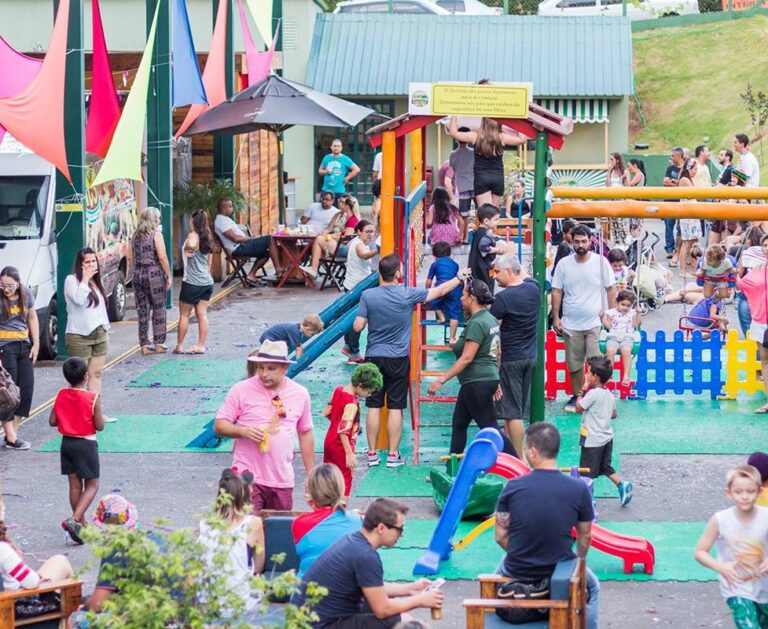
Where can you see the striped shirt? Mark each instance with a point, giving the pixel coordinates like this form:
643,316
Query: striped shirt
16,574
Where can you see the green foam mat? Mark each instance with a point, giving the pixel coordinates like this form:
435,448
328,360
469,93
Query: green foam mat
148,433
186,373
673,542
405,481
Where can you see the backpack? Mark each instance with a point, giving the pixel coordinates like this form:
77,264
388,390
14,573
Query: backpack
10,396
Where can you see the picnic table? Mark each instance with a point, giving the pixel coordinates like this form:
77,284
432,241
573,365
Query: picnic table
296,248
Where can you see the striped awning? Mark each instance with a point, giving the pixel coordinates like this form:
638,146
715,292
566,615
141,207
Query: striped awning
580,109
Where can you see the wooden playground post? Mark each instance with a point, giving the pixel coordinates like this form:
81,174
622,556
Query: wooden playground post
387,212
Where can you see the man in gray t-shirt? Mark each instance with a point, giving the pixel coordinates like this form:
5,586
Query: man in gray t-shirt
388,312
462,160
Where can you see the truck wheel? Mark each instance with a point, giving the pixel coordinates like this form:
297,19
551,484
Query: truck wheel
49,332
116,304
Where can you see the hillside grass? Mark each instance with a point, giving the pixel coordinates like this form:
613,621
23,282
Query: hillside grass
688,82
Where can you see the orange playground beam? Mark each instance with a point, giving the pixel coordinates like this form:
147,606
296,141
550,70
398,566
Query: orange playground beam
659,209
660,193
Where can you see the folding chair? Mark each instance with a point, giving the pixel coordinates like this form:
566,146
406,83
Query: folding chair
334,268
236,266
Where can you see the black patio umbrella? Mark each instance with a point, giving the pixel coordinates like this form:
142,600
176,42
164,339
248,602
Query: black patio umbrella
276,104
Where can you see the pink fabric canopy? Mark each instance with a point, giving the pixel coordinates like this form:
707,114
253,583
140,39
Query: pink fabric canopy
213,74
18,72
259,63
104,106
35,115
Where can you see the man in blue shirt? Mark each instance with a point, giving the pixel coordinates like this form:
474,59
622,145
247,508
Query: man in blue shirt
537,512
387,310
337,169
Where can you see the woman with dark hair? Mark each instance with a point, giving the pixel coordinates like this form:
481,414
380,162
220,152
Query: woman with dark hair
19,345
328,242
476,368
489,142
361,250
615,229
444,219
635,173
87,320
151,279
518,204
197,283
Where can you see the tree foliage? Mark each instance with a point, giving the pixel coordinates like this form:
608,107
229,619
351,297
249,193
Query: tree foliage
756,104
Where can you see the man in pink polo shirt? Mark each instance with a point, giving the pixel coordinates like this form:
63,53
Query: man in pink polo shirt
263,415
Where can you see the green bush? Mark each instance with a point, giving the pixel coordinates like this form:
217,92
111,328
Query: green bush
710,6
517,7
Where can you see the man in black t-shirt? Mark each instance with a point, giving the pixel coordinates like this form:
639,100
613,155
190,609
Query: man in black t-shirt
536,513
518,307
671,178
351,570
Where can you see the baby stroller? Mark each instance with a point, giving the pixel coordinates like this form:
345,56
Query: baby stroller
650,280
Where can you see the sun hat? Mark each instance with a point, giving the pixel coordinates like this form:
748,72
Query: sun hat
272,352
114,509
760,461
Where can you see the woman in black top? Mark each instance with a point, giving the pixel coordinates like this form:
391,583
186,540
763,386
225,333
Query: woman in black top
489,142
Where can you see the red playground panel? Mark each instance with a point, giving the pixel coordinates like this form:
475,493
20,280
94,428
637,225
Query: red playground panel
557,377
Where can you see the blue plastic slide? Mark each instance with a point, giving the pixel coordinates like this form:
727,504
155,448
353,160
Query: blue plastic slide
338,317
478,457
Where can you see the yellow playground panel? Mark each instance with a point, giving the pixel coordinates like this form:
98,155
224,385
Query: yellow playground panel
742,366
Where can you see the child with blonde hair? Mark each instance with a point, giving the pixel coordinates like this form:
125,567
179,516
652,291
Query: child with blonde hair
741,535
294,334
715,270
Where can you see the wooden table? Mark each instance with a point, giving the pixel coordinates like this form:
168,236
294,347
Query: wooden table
296,247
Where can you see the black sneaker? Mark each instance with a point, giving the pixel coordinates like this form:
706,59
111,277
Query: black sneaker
570,405
19,444
73,529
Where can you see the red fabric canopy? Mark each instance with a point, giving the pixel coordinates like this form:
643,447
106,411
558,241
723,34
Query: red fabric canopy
35,116
104,106
18,72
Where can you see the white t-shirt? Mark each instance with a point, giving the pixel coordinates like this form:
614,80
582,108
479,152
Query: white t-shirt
223,224
598,405
621,324
357,268
318,217
583,291
747,546
751,168
377,165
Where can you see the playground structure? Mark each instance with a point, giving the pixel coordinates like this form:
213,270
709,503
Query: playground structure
402,224
484,456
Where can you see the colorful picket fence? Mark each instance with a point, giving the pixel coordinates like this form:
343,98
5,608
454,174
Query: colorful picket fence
742,366
679,365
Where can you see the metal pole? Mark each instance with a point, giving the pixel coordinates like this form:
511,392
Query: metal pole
277,15
506,7
224,145
624,8
69,225
539,270
159,127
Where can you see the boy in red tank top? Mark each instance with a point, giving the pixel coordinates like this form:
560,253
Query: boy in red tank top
77,414
343,411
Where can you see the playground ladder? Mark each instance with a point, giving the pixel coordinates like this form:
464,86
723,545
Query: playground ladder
417,395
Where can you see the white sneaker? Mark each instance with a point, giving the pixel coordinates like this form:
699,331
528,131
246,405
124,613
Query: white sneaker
395,460
309,271
109,420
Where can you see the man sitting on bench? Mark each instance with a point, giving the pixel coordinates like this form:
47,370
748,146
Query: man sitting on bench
240,245
537,512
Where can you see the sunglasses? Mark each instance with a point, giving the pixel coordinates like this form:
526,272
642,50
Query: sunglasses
8,286
399,529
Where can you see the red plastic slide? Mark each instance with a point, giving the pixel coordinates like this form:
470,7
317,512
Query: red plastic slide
631,549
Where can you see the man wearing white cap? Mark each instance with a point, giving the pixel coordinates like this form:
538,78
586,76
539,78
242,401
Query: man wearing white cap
263,415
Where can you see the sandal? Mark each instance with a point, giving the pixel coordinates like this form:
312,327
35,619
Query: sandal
178,350
195,350
160,348
763,410
147,350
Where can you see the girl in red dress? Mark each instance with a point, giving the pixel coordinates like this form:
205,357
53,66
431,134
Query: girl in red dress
343,411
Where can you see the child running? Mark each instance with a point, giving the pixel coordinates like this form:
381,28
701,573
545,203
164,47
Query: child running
443,269
741,534
714,271
621,322
343,411
77,414
294,334
598,408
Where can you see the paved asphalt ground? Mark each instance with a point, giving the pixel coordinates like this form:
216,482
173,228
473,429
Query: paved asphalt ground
178,486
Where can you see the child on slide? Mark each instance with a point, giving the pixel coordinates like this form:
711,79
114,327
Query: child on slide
621,322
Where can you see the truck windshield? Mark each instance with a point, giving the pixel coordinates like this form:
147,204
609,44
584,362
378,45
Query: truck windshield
23,202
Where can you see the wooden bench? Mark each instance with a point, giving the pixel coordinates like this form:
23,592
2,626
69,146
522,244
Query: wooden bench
567,603
71,596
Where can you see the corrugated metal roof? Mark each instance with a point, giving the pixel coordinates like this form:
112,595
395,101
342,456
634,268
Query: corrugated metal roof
379,54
